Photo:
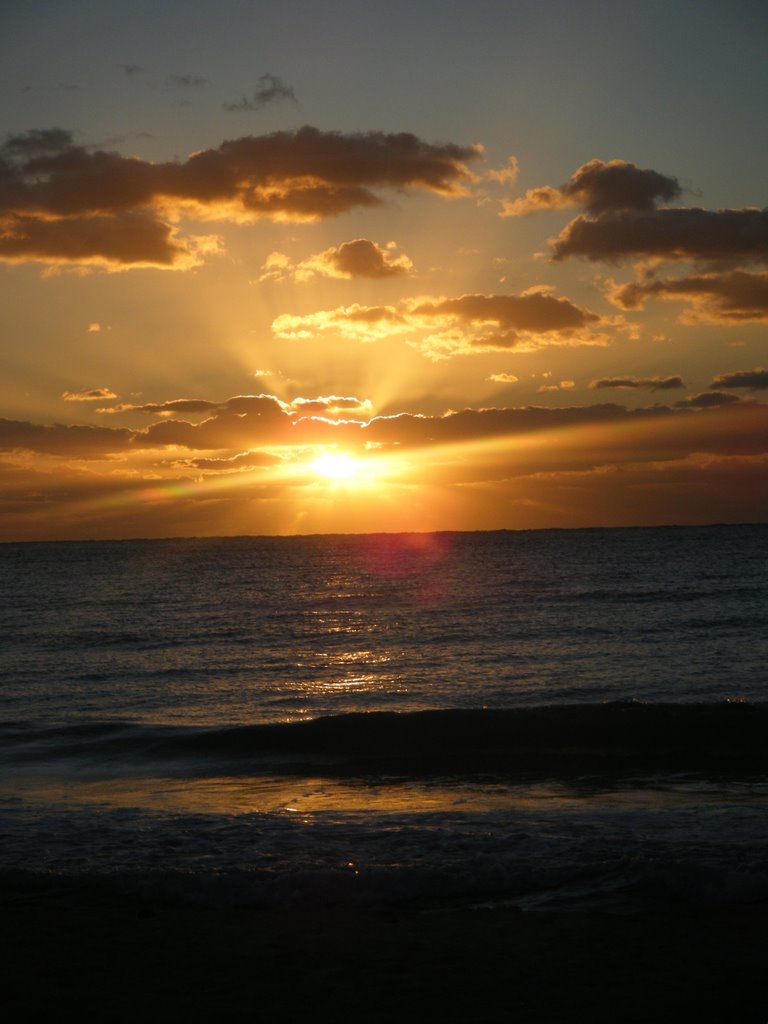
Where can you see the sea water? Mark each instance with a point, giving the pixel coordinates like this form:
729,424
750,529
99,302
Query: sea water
549,718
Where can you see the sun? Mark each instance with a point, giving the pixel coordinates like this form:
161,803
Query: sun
336,466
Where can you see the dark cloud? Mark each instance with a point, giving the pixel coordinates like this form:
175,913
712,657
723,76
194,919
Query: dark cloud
269,89
88,395
754,380
73,441
649,383
600,186
132,69
735,295
62,202
623,219
188,81
705,236
534,311
122,240
363,258
708,400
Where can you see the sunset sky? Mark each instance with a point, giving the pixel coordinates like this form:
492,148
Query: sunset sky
306,267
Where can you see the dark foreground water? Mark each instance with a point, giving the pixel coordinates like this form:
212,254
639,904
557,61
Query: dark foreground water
552,719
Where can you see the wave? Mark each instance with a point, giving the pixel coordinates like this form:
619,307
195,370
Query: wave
554,738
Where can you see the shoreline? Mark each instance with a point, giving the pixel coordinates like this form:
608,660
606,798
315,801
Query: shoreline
118,960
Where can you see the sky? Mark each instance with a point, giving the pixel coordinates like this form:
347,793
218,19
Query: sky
366,265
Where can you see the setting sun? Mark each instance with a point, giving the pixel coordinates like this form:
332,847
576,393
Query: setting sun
336,466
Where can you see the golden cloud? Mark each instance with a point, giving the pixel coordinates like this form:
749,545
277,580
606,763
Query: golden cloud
456,326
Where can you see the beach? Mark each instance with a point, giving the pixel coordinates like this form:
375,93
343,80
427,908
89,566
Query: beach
117,960
371,803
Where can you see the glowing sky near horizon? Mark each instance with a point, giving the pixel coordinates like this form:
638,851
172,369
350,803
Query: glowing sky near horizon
297,267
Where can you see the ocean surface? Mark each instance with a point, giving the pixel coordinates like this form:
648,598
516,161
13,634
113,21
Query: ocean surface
547,719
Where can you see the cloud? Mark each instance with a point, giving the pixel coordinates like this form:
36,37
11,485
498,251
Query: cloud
131,69
563,385
255,430
472,323
358,258
72,441
704,236
504,175
600,186
241,461
188,81
649,383
735,295
707,400
329,405
64,203
623,219
754,380
188,405
270,89
131,239
504,378
89,395
458,326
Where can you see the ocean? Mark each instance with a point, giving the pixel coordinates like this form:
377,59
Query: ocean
547,719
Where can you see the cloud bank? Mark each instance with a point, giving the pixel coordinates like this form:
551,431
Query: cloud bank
61,202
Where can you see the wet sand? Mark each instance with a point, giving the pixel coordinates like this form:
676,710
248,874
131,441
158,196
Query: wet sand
105,959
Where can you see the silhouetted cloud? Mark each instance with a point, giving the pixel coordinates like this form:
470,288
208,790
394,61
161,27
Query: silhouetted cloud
705,236
623,219
72,441
754,380
599,186
707,400
62,202
649,383
88,395
269,89
735,295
